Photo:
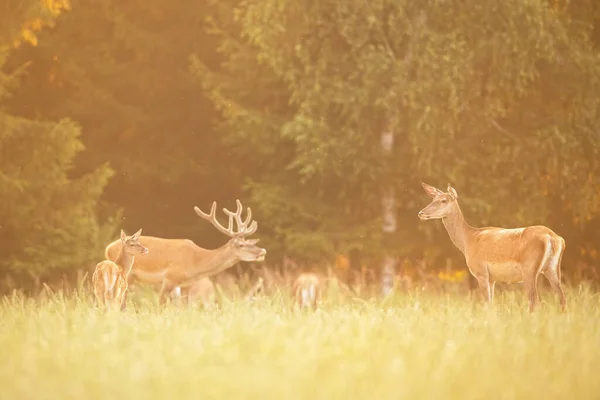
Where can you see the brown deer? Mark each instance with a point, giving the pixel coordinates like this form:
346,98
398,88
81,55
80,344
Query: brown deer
200,292
110,278
307,290
255,289
180,262
498,254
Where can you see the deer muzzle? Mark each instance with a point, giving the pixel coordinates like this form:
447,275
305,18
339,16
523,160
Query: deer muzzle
261,255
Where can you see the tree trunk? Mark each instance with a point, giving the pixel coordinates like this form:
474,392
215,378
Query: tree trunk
388,202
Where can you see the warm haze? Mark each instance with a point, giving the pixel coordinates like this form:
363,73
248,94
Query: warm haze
325,271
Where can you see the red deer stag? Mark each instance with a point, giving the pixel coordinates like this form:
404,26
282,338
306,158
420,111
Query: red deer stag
498,254
110,278
180,262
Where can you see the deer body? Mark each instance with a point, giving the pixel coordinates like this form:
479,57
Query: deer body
168,257
255,289
200,292
307,290
110,277
180,262
110,285
498,254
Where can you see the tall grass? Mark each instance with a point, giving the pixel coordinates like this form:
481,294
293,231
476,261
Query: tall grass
407,347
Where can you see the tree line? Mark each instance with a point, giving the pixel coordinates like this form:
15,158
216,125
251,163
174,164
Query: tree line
119,115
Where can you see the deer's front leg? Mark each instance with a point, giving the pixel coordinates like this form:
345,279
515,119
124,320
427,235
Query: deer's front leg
486,289
483,279
129,285
165,290
492,287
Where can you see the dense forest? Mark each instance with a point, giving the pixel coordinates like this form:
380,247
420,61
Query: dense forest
128,114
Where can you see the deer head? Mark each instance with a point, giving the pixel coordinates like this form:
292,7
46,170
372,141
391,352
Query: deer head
131,245
442,205
244,248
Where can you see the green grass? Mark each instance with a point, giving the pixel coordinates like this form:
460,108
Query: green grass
410,347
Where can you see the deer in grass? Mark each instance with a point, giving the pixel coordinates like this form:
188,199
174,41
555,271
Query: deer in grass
255,289
498,254
110,277
175,263
200,292
307,290
204,292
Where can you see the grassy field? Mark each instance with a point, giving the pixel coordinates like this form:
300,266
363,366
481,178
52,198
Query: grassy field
408,347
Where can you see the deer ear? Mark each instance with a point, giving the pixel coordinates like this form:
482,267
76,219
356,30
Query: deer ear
136,235
452,192
123,235
252,241
431,191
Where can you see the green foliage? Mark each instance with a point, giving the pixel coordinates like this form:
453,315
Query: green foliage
284,108
127,82
499,98
21,20
49,219
48,215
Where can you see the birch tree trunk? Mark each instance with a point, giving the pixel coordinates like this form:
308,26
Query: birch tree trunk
389,222
388,200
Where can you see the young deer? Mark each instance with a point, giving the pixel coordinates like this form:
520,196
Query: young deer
307,290
498,254
255,289
203,291
200,292
180,262
110,278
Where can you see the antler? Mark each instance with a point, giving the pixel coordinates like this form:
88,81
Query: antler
212,218
243,228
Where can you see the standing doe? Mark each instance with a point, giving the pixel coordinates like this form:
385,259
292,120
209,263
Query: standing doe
180,262
110,278
498,254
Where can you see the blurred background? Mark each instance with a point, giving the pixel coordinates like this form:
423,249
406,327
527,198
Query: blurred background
322,116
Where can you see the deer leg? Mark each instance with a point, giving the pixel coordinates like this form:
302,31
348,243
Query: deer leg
534,271
492,287
121,295
485,288
97,294
552,273
483,279
97,291
531,289
108,299
165,289
557,287
124,301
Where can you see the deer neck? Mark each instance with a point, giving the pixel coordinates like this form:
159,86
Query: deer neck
458,229
125,261
221,259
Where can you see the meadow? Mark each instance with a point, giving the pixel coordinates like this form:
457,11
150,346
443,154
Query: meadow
408,346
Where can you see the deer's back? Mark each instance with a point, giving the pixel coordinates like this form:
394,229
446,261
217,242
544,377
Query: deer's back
107,266
306,280
162,253
519,245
